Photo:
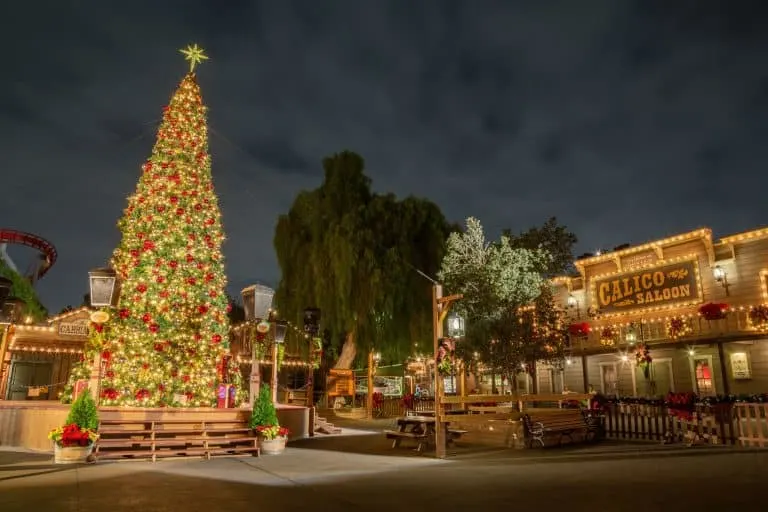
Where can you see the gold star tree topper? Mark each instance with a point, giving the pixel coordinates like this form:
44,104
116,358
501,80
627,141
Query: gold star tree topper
195,55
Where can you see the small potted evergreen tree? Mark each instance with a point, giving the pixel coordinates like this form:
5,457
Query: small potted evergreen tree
73,443
265,423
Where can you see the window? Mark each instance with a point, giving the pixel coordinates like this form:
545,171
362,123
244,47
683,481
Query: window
702,369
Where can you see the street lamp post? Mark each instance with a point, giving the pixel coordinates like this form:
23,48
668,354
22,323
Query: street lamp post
104,292
312,328
257,303
281,328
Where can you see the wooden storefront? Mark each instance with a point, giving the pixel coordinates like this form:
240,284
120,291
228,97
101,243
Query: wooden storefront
657,294
39,358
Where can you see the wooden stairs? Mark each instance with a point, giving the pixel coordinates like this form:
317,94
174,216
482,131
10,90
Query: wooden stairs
323,426
126,439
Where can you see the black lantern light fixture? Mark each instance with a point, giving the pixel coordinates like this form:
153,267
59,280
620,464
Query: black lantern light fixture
12,310
311,321
281,329
104,286
455,326
257,302
721,277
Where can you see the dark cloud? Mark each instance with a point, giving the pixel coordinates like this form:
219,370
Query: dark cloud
628,120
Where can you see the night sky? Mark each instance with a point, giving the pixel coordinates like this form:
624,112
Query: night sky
628,120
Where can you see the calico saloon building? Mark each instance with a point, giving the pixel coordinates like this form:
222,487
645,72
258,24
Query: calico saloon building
684,313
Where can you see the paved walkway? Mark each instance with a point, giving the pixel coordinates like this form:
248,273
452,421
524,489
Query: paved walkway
360,472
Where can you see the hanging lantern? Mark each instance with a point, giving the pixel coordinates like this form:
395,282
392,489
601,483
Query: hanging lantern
311,320
105,287
455,326
281,329
12,310
257,302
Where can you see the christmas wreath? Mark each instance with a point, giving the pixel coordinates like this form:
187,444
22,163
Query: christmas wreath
758,316
608,336
677,327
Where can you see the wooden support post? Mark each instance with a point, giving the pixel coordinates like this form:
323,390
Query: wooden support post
275,371
440,434
723,368
463,384
4,374
369,398
584,373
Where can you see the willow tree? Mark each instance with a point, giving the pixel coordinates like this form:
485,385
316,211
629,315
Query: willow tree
353,254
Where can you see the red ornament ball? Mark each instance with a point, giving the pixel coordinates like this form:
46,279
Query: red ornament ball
216,338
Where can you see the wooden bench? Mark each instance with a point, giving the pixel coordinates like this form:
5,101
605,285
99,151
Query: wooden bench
398,436
559,422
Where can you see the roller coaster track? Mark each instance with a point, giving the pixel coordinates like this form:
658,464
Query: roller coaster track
46,248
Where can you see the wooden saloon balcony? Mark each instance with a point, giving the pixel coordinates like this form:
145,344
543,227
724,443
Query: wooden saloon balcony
735,326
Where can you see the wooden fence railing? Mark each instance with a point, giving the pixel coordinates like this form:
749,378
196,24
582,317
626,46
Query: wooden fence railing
713,424
752,421
744,424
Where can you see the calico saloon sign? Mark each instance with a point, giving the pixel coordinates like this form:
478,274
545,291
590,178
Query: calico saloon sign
660,286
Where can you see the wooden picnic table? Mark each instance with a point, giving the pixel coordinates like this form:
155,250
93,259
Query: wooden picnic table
420,428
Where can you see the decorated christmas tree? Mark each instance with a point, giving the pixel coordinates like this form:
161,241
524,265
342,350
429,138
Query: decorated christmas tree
166,344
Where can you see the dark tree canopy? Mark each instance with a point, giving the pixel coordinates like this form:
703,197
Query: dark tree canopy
553,238
352,253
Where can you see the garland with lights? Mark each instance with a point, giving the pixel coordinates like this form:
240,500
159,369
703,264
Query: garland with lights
166,343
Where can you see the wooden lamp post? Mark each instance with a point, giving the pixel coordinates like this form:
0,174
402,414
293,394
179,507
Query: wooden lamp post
440,307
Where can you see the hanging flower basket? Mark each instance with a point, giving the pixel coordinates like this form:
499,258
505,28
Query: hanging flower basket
643,359
445,356
678,327
580,329
758,316
714,311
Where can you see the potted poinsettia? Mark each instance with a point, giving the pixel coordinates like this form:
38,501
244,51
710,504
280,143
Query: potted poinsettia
266,425
73,442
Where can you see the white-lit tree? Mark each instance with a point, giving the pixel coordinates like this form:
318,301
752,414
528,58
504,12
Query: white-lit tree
502,285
